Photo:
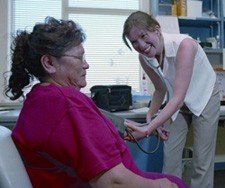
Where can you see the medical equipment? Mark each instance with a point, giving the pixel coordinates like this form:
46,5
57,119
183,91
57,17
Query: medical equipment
140,147
119,124
153,63
112,97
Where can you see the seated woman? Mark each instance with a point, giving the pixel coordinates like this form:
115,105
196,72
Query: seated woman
63,138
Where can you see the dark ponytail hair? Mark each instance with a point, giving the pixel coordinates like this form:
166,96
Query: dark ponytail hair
20,76
53,37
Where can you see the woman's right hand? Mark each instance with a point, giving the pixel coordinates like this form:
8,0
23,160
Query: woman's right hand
163,133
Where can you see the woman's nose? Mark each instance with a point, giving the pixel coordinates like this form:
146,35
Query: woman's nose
86,65
141,44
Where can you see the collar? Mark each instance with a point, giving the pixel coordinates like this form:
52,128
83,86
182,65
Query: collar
169,45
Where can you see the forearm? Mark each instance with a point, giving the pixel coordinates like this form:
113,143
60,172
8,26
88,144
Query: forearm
120,177
156,102
165,114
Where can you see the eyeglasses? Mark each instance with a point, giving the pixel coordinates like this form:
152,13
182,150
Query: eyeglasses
81,58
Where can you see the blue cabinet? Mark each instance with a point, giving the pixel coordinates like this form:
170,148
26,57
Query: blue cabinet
148,162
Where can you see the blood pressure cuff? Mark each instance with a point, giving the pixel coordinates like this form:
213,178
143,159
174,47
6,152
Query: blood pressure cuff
116,120
112,97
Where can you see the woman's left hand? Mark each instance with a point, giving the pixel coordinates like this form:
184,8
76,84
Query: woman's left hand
137,129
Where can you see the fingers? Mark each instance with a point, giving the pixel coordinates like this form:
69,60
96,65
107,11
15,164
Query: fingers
163,133
130,124
128,137
167,183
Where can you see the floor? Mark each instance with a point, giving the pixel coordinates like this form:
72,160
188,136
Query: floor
219,179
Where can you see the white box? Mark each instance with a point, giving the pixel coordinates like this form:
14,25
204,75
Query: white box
223,7
223,58
194,8
220,76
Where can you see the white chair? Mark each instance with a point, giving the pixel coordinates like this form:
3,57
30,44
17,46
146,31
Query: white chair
12,171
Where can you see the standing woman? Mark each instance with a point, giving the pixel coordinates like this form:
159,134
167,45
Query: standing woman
178,67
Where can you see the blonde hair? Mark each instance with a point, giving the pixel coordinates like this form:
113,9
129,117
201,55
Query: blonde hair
140,19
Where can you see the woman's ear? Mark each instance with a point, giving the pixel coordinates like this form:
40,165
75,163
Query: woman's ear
47,64
158,30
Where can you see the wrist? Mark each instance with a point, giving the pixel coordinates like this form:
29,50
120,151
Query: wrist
149,131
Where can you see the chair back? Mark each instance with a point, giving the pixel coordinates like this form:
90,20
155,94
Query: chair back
12,171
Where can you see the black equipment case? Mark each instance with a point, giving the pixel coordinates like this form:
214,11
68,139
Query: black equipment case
112,97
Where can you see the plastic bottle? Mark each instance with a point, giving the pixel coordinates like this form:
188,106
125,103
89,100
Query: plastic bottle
144,85
218,41
174,8
182,8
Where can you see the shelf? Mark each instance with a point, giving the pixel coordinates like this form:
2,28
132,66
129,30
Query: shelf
198,22
213,51
198,18
210,24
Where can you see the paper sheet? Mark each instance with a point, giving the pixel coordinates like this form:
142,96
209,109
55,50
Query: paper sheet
169,24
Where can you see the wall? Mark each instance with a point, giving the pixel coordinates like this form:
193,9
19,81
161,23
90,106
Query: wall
4,5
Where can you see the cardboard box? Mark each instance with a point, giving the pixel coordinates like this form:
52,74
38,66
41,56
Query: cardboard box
182,8
194,8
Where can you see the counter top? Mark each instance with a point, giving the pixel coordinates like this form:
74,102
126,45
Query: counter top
10,116
141,112
135,113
